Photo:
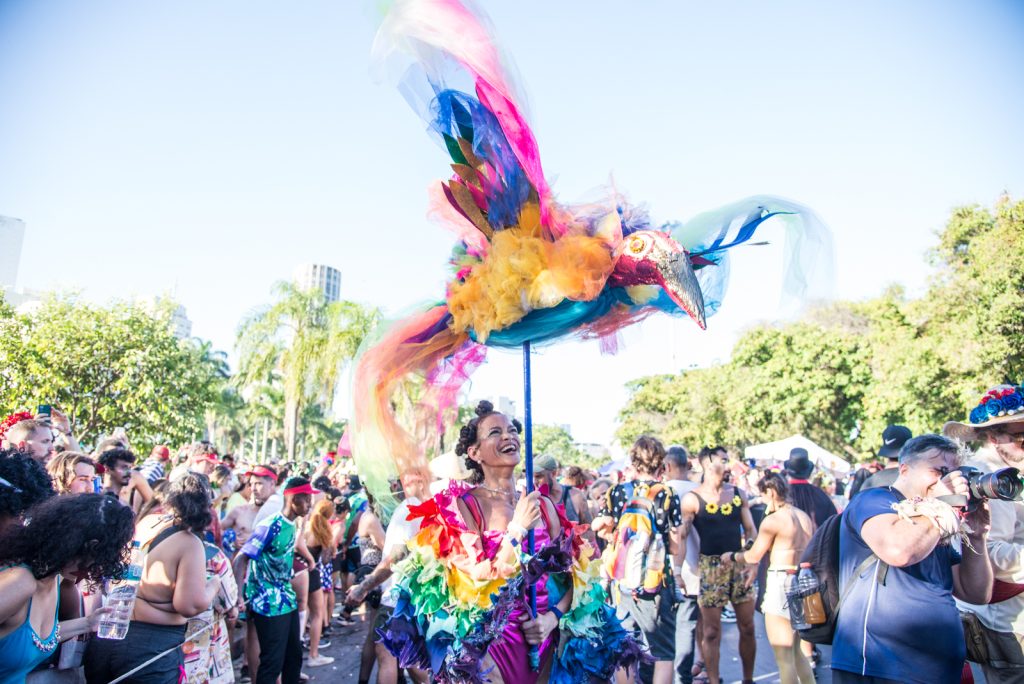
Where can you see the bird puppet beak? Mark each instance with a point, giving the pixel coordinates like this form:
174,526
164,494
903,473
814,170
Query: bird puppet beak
680,282
648,257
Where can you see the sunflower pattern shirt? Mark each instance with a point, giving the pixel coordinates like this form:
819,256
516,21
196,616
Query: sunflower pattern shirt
272,550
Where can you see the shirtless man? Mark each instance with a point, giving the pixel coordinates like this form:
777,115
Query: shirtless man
242,517
785,532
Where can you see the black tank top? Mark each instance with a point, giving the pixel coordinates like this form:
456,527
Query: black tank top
719,533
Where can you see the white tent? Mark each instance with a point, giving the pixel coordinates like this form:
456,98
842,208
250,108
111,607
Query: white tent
777,452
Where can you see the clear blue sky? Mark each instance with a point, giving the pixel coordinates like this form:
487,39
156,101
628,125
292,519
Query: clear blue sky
206,149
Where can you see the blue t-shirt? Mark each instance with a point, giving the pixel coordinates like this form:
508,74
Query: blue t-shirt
907,629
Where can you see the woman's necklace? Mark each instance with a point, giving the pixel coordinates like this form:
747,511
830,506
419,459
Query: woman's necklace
509,494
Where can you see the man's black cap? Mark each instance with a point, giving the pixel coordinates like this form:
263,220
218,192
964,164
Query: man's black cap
893,439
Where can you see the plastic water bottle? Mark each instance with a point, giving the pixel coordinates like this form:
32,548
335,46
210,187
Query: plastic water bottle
121,598
807,582
635,554
655,565
796,604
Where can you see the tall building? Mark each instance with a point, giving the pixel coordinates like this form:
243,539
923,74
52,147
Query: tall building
327,279
181,326
12,235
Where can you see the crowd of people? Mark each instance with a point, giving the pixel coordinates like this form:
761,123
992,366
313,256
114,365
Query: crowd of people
246,566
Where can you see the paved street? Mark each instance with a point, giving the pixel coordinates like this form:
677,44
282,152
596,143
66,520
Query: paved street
346,643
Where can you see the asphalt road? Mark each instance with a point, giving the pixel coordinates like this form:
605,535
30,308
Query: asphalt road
346,643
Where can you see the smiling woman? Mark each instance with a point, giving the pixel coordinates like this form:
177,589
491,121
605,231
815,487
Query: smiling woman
465,580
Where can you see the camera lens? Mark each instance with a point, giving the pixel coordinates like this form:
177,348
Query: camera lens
1004,484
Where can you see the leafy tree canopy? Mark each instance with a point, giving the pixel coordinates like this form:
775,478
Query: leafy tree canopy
108,366
845,371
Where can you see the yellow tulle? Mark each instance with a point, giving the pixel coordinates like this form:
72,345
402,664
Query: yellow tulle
524,271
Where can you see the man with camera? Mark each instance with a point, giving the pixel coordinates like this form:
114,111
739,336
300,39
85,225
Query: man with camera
1000,623
900,569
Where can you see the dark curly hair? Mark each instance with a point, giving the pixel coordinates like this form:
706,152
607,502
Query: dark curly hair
189,499
111,456
648,455
26,483
468,438
93,531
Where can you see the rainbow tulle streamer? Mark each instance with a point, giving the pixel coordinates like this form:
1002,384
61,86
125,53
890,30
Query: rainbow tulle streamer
454,600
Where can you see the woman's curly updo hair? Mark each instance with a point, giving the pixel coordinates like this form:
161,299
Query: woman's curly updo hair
468,438
189,499
648,455
92,531
24,483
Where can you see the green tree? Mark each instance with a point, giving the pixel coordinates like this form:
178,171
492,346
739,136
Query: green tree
303,342
107,366
845,371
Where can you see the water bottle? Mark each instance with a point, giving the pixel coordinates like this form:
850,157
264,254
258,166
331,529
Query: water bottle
635,555
796,604
121,597
807,582
655,565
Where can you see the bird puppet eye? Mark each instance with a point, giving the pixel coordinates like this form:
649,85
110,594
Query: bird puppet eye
637,245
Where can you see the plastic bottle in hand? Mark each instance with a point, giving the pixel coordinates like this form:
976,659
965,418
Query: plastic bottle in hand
807,581
121,598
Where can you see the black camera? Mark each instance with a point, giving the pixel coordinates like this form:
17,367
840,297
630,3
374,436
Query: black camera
1004,484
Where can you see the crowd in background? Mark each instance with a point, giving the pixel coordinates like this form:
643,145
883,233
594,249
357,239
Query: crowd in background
246,565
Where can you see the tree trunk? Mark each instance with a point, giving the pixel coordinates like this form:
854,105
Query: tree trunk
266,435
291,427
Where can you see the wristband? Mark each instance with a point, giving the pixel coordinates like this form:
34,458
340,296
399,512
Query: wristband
558,613
749,545
516,529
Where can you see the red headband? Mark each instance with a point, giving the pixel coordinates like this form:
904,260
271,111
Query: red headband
302,489
263,471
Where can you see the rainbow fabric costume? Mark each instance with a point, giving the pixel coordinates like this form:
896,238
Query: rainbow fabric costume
526,266
455,601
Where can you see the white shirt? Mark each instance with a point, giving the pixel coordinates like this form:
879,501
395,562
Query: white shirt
400,531
1006,551
271,507
688,574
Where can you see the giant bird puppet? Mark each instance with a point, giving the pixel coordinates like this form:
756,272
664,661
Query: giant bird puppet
526,267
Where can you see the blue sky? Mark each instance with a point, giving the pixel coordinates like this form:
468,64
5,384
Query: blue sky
206,149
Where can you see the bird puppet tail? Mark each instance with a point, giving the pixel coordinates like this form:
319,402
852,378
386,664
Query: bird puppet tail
421,346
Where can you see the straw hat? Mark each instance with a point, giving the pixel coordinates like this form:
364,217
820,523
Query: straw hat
1001,404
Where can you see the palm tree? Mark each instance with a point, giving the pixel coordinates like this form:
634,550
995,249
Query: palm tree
305,342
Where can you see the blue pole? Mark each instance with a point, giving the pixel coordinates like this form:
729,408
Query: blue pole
528,425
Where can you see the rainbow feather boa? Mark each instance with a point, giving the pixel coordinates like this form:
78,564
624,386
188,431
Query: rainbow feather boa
453,599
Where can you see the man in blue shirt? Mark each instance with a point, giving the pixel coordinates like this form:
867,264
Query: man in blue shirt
899,622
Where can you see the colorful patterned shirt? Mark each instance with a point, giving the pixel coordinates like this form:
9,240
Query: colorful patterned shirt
272,550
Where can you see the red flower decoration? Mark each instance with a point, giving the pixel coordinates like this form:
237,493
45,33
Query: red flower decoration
985,399
10,420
